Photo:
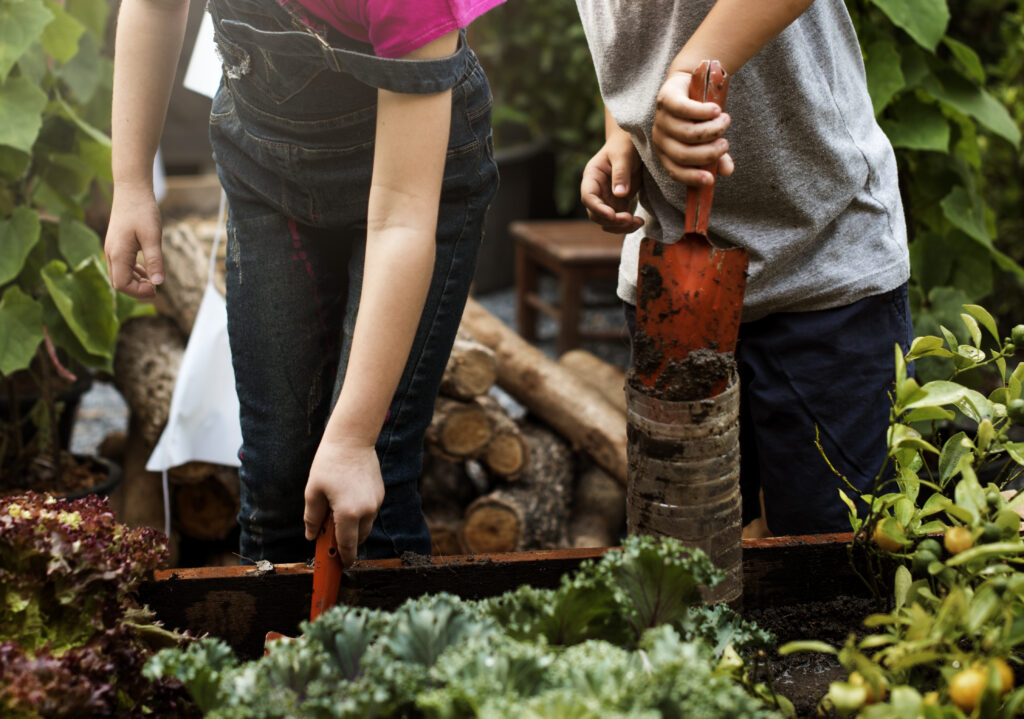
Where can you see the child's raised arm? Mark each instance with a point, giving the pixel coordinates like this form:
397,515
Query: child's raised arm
687,134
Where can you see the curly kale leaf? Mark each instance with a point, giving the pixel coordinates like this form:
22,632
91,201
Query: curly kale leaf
423,628
722,627
655,580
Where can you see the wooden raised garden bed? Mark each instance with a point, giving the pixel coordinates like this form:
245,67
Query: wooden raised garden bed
240,604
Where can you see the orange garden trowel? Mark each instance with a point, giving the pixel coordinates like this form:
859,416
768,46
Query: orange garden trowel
327,572
689,294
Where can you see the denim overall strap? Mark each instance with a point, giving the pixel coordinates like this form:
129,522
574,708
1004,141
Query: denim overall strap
403,76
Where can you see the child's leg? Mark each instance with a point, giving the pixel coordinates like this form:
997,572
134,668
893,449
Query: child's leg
287,284
831,369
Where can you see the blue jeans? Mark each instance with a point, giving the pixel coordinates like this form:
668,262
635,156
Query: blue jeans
832,370
292,127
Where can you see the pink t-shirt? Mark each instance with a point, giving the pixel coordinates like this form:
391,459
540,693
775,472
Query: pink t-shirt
396,27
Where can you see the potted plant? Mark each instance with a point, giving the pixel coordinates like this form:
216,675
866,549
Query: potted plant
59,317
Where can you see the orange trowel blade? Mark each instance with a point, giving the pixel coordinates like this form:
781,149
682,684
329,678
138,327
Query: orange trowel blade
689,297
326,570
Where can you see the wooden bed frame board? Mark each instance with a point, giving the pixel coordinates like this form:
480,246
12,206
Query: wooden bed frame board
240,604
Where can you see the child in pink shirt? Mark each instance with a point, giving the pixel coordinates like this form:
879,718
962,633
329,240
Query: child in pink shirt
357,180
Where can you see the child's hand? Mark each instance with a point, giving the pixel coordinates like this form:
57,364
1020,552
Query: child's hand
687,134
346,477
134,225
610,182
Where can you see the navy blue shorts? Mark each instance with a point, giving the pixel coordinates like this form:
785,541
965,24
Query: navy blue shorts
831,369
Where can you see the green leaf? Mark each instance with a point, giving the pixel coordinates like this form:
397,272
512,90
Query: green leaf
69,113
924,20
953,451
972,270
33,65
97,156
21,318
806,646
885,79
967,214
66,173
980,551
20,25
83,73
12,164
21,113
901,585
927,345
964,97
129,308
18,235
85,300
78,242
93,15
60,37
972,326
928,414
915,125
985,318
967,57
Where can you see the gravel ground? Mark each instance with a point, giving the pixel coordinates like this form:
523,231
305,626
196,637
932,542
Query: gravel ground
103,410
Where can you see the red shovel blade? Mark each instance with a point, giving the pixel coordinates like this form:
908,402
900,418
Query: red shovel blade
689,297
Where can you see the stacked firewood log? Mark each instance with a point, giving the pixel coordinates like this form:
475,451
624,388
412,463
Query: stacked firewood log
523,452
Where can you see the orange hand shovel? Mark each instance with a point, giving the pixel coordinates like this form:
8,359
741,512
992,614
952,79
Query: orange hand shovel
690,293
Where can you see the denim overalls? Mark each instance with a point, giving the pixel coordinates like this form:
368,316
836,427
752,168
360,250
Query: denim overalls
292,128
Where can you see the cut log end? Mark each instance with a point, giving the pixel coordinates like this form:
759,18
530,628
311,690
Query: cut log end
492,526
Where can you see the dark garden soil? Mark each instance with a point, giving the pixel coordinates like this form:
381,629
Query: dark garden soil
804,677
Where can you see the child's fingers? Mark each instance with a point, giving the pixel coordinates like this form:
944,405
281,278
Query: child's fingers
346,531
314,513
688,160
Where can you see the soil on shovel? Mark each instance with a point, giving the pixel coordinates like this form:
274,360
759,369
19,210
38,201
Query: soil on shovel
688,380
803,678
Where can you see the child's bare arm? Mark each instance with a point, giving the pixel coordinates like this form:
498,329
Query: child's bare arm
148,42
408,168
687,134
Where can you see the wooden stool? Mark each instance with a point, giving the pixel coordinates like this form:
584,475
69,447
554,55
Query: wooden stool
575,251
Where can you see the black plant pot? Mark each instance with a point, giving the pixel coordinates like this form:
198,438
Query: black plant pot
110,471
70,397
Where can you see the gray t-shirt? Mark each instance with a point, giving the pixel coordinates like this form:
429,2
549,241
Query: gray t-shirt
814,197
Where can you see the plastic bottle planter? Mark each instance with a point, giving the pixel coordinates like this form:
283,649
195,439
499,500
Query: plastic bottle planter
684,467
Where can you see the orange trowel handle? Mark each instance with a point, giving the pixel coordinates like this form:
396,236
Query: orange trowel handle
326,570
709,83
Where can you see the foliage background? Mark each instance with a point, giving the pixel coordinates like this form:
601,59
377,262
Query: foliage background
945,78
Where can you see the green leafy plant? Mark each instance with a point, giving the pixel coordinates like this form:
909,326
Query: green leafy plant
58,313
933,96
73,640
625,636
949,540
